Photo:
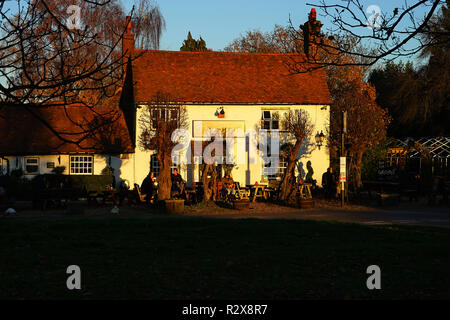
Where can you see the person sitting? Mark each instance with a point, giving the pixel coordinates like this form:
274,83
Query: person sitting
148,187
177,184
228,185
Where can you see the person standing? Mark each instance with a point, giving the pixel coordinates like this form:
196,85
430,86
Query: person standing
329,183
148,187
177,183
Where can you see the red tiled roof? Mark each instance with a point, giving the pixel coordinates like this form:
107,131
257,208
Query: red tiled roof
23,134
224,77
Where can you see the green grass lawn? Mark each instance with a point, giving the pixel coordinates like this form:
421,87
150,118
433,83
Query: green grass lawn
199,258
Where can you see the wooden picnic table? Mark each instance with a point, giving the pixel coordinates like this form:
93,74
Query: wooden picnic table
304,190
257,191
110,196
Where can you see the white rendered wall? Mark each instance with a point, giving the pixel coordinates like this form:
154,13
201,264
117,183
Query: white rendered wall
251,116
135,167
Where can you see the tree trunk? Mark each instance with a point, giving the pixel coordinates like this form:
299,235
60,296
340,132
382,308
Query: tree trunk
164,177
358,164
354,174
214,182
285,186
205,181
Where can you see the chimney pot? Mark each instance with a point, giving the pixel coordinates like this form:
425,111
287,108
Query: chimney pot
128,24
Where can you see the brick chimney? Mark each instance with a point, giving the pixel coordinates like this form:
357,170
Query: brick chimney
311,32
127,42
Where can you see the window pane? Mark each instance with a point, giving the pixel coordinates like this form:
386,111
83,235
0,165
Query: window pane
81,164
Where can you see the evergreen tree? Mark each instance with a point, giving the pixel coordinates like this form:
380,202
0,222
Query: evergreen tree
190,44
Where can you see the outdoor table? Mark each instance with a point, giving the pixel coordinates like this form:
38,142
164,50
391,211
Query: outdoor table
257,191
304,190
109,196
59,197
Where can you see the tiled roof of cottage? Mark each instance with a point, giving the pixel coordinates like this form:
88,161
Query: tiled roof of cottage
23,134
225,77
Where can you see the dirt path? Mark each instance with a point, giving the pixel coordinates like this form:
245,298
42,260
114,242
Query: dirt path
415,214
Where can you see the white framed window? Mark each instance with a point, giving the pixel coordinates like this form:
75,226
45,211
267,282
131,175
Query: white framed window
270,120
81,164
277,172
154,165
166,114
31,165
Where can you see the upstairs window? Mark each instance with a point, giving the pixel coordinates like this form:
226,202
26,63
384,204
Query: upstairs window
270,120
165,114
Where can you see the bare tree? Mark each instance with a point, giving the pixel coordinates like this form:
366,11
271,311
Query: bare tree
148,25
399,33
158,122
48,59
298,126
280,40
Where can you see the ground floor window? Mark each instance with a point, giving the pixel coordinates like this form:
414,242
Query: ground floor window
275,173
81,164
32,165
154,165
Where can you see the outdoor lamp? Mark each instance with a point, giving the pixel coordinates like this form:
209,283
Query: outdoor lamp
320,138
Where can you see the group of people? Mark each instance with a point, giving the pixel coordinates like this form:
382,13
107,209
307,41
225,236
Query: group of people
149,186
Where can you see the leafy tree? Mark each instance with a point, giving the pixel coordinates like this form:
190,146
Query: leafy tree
190,44
366,125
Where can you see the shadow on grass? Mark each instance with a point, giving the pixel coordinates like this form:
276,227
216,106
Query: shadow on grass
201,258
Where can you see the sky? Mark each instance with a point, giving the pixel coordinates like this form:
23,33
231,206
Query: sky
220,22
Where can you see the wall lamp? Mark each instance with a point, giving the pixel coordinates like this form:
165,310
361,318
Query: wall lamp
320,138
